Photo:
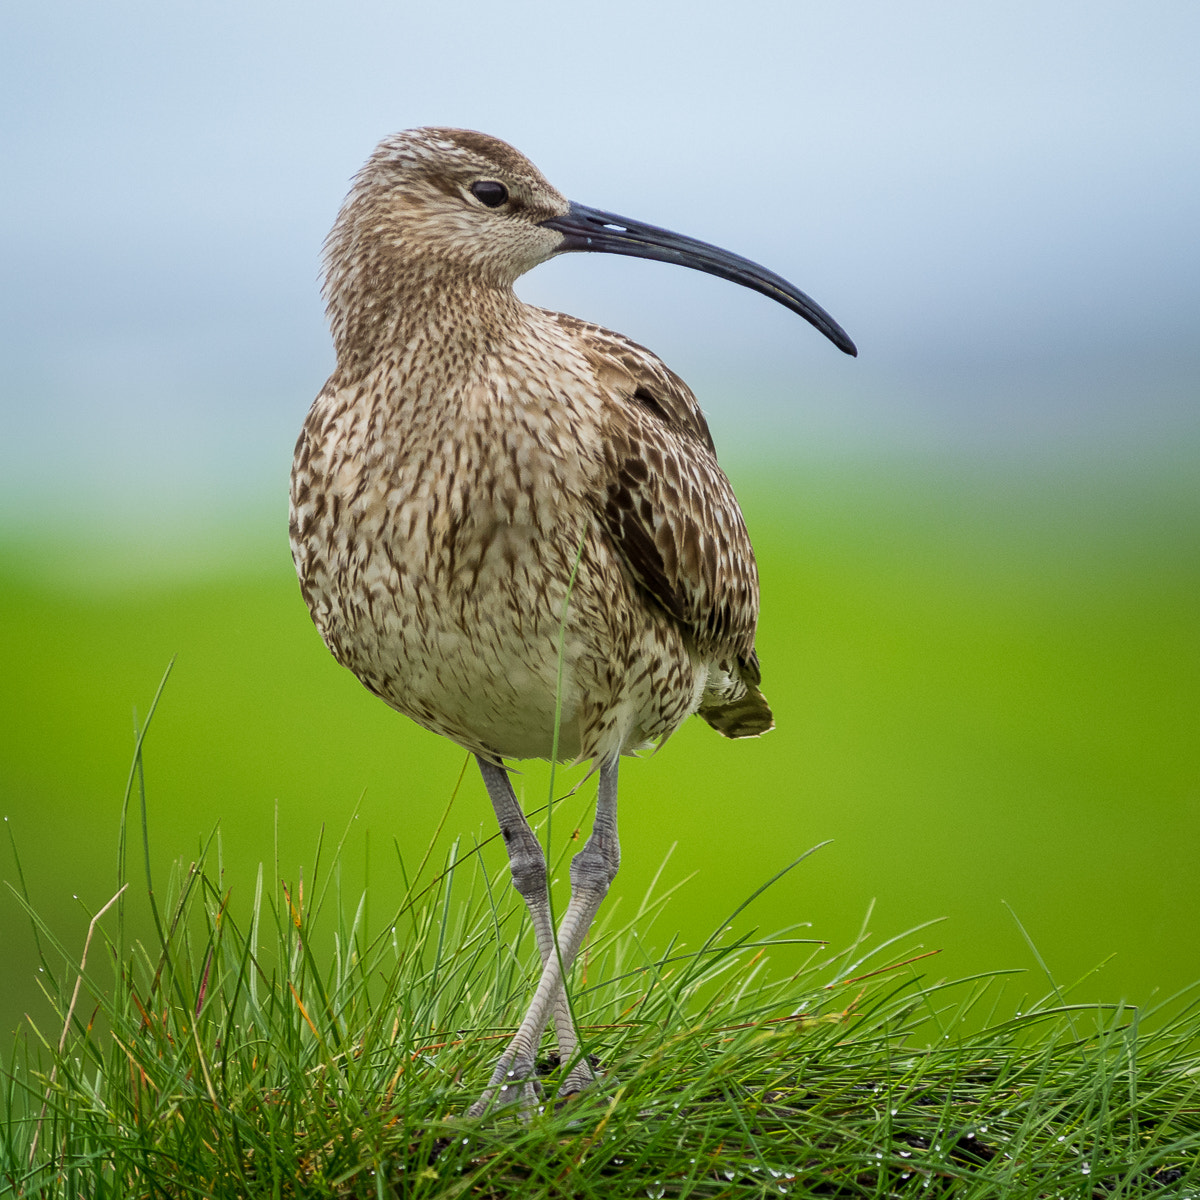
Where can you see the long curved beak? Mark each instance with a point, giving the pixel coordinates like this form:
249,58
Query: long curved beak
586,228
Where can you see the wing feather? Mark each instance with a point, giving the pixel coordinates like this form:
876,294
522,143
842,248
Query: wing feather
672,515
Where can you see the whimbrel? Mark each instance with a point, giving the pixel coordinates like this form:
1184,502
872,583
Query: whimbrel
510,524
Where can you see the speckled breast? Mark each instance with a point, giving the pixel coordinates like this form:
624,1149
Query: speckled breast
459,571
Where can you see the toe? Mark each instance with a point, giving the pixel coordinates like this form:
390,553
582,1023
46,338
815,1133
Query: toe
517,1085
582,1076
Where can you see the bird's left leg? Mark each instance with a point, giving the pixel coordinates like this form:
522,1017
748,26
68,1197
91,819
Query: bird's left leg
592,871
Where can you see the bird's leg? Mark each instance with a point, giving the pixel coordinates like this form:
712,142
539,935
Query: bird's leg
528,865
592,871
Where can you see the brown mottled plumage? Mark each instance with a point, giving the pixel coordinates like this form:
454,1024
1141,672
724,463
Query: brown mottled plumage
474,460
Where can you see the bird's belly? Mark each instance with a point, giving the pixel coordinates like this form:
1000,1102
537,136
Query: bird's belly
470,640
477,668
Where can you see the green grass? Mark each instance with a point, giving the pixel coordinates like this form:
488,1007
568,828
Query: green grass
279,1043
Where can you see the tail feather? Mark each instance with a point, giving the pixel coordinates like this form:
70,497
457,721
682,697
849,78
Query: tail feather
746,716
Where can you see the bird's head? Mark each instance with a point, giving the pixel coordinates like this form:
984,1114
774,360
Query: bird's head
436,207
449,203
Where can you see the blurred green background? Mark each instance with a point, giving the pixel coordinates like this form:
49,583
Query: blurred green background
979,542
986,688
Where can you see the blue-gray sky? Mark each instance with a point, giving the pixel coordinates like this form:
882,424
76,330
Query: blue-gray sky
1000,202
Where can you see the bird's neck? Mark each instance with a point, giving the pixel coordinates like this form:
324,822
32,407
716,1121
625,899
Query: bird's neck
392,316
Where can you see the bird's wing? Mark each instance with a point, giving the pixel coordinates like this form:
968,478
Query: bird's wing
667,505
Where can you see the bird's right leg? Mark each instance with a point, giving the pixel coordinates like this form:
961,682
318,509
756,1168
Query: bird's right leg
528,865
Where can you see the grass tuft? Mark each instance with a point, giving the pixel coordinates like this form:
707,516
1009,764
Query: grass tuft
277,1046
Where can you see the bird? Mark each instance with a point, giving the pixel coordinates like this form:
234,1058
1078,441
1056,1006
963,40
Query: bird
510,523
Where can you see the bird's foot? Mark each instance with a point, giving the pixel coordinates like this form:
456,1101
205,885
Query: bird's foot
581,1077
512,1082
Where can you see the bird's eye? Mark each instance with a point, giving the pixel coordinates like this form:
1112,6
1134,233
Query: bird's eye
489,192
